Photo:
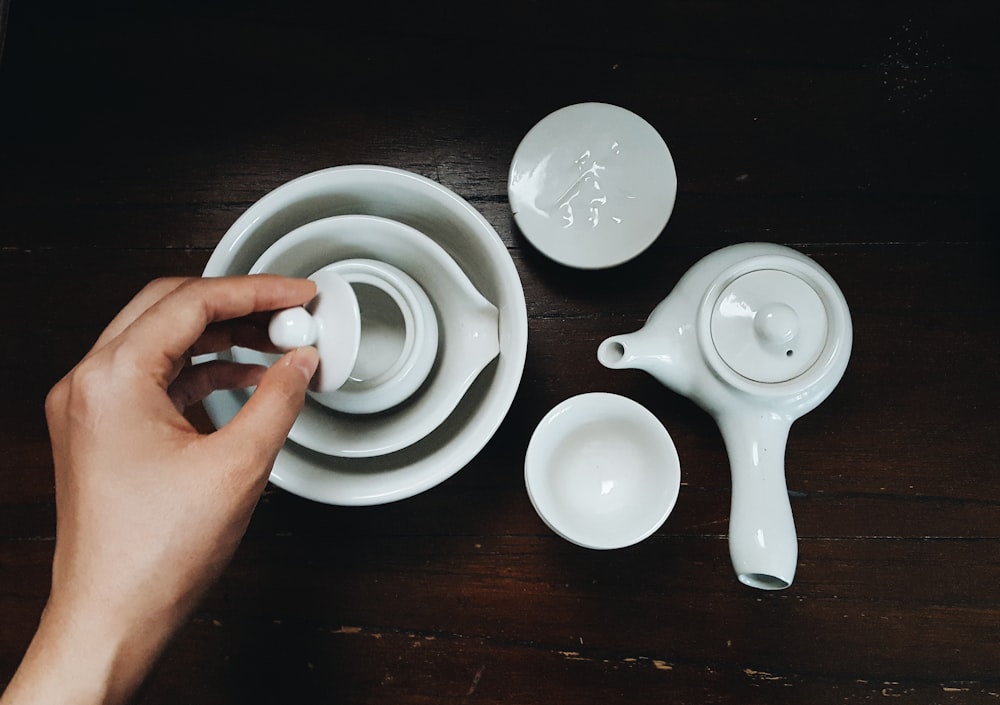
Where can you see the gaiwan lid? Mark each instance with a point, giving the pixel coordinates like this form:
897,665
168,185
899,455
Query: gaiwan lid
592,185
331,322
769,325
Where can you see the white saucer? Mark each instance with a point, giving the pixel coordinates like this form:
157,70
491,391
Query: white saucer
592,185
602,471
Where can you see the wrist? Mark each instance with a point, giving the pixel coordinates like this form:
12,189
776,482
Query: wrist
78,656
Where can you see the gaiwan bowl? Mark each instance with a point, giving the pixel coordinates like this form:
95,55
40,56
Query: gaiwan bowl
472,243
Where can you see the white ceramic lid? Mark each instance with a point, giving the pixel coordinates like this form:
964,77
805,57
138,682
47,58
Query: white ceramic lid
769,325
592,185
331,322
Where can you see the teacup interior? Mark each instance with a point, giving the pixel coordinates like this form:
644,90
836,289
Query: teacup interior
602,471
383,333
607,482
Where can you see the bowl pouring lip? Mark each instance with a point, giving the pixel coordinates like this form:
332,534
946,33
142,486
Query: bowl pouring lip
426,464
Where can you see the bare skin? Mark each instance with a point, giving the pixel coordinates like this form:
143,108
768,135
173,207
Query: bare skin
150,511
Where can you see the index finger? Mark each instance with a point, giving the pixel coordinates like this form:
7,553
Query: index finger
165,332
140,303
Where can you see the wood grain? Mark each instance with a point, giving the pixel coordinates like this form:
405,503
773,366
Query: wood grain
132,136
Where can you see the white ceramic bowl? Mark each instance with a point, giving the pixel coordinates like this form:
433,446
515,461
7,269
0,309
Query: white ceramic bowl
468,330
602,471
474,245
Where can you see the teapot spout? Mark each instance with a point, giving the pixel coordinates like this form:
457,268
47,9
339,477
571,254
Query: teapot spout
650,349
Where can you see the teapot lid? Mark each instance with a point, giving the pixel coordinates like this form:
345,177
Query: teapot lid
769,325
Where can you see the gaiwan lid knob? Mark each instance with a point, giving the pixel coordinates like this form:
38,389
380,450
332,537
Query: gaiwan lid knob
769,325
331,322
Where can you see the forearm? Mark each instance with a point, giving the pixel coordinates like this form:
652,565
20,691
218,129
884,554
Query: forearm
75,658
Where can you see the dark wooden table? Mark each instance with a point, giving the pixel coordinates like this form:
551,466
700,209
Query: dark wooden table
133,134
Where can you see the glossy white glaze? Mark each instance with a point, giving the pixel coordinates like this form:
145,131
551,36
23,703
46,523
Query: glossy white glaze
602,471
769,325
294,328
592,185
468,330
481,255
331,322
729,377
397,339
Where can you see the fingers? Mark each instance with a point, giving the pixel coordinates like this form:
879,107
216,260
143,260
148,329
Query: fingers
196,382
140,303
166,331
247,332
263,423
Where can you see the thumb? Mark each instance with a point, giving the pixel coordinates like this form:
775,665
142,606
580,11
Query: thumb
265,420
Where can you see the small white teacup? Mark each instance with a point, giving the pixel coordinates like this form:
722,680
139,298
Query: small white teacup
399,338
602,471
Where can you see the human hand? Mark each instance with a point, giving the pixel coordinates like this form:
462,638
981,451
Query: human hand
149,511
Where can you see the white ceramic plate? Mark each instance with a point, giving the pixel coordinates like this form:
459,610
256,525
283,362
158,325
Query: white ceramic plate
468,330
602,471
474,245
592,185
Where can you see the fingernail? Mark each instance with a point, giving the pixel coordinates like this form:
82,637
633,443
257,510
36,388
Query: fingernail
306,360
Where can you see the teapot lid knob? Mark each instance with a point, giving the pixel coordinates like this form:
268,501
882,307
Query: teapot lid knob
776,323
769,325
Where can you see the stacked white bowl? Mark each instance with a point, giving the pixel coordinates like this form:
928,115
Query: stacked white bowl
395,221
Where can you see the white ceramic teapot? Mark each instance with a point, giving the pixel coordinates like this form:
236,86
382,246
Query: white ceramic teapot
757,334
